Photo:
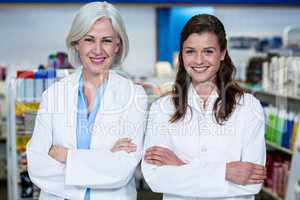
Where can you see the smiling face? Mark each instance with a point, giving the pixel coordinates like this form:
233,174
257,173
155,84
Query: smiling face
97,49
202,56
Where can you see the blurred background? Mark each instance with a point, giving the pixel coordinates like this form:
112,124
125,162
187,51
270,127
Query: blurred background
263,41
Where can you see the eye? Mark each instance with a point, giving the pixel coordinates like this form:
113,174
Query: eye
189,51
88,40
208,51
107,40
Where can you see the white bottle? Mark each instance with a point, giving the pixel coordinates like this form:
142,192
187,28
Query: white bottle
274,67
297,191
265,79
281,74
297,77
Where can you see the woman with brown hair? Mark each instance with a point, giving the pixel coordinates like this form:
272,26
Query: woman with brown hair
206,138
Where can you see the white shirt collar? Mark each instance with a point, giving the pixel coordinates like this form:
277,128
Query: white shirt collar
195,101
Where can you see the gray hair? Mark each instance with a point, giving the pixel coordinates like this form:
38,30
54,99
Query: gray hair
83,22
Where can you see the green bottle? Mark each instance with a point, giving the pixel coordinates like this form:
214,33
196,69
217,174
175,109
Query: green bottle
280,127
271,123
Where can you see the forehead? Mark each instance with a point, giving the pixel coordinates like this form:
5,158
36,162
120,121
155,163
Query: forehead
101,27
206,39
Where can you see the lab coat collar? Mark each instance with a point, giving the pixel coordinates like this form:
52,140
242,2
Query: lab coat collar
72,94
72,85
195,101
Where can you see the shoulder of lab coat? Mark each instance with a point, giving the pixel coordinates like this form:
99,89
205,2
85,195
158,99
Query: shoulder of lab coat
44,171
197,178
98,168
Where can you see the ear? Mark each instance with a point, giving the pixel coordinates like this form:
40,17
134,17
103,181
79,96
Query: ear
118,45
223,53
75,44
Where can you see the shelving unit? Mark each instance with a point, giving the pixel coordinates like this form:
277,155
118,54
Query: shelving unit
21,113
271,194
288,102
2,139
277,147
16,143
292,104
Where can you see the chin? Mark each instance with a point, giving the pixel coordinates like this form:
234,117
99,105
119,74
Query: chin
99,69
200,80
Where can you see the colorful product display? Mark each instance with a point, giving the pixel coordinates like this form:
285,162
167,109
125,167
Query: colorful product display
30,86
281,86
58,60
277,173
282,76
23,134
282,127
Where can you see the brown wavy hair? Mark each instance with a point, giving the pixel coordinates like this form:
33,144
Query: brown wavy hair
229,91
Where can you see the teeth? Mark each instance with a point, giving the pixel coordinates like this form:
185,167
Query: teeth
199,69
97,60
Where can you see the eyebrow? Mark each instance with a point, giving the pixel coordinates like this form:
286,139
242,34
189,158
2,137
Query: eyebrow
195,48
209,48
188,48
105,37
108,37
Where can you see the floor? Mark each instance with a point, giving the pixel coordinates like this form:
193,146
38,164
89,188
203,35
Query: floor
142,195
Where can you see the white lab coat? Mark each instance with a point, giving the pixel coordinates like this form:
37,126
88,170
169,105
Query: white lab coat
206,147
122,113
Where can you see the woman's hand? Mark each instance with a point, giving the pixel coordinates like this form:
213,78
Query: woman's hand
124,144
245,173
58,153
161,156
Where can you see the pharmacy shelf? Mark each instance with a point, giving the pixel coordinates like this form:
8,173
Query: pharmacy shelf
273,195
291,103
283,101
2,139
277,147
26,199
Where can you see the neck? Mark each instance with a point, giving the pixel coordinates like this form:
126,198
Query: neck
95,80
204,89
90,85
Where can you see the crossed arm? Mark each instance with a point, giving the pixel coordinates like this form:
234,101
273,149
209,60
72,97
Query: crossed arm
199,178
60,153
242,173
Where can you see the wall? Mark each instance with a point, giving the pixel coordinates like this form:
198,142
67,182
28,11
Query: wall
29,34
171,22
257,21
238,21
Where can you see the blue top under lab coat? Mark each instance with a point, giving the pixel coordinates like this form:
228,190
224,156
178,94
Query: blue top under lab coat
85,120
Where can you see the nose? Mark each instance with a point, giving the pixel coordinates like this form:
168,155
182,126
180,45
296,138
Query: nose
98,47
199,58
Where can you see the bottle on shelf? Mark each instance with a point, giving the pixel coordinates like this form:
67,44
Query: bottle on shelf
297,191
281,127
277,173
281,76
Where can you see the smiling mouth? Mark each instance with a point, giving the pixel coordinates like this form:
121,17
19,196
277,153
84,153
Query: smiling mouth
200,69
97,60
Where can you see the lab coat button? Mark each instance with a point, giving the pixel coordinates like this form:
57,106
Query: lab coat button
203,149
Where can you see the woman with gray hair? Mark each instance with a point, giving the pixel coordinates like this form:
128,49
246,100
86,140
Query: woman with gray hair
88,133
